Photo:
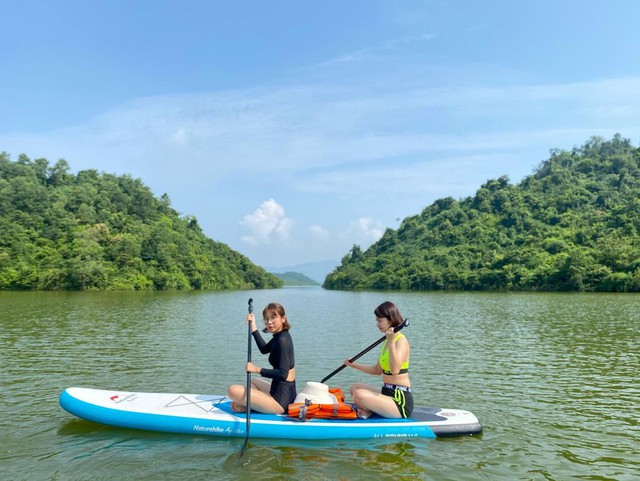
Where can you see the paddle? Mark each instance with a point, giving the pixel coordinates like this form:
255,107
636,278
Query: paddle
246,439
362,353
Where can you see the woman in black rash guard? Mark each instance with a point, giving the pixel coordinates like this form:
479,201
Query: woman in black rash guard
276,396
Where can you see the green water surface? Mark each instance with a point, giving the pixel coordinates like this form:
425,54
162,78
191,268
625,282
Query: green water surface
552,377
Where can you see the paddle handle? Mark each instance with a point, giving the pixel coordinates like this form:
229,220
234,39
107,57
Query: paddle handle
357,356
362,353
248,425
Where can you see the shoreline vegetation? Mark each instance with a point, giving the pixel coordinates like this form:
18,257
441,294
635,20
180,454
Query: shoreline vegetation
98,231
573,225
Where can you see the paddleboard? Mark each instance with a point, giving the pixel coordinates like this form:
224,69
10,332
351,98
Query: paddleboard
212,415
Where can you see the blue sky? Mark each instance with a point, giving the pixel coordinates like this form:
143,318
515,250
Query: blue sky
293,130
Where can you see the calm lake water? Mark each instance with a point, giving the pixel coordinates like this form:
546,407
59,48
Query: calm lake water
552,377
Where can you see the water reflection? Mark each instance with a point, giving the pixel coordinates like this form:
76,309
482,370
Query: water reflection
330,461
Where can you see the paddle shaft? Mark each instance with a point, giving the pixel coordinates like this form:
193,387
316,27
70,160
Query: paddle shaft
362,353
246,439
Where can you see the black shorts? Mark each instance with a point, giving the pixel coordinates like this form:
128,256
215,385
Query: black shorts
402,397
284,392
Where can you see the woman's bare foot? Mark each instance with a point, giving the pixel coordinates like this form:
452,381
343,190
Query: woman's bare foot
363,413
238,408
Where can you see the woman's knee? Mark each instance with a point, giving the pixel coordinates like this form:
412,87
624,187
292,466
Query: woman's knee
235,391
356,386
360,396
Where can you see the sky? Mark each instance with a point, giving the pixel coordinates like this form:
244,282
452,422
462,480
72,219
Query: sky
294,130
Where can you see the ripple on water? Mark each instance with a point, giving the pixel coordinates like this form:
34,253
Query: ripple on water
553,379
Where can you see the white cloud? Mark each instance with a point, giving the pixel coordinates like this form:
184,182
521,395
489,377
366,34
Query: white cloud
365,230
296,128
180,136
318,232
368,52
268,222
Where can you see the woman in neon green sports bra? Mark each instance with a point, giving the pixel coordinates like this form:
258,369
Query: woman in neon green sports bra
395,400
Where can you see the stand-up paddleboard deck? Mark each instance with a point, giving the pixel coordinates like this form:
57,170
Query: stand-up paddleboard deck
212,415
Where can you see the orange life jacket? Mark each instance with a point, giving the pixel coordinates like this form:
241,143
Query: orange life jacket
337,392
308,410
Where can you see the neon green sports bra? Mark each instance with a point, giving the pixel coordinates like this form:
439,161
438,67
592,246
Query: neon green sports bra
383,360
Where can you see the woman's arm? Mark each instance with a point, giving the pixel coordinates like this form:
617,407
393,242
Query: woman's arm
264,347
373,369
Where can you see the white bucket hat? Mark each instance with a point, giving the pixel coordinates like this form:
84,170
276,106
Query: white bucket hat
316,393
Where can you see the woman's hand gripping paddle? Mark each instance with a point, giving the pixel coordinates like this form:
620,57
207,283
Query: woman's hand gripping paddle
248,391
362,353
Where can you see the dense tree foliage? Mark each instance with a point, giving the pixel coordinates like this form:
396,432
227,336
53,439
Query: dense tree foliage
295,279
573,225
100,231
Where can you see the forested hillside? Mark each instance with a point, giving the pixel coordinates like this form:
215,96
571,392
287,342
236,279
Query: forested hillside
100,231
573,225
295,279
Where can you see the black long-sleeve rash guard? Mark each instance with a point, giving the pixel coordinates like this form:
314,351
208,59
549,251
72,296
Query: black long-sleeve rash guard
280,349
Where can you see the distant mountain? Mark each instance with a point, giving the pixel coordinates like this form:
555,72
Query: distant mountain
295,279
574,225
317,271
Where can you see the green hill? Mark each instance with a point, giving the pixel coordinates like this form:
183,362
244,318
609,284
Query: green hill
100,231
295,279
573,225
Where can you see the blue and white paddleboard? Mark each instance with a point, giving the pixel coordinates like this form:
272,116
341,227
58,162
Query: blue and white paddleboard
212,415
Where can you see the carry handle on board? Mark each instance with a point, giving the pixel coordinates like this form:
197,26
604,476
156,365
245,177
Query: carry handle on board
362,353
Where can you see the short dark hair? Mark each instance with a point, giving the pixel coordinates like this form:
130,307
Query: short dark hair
390,311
